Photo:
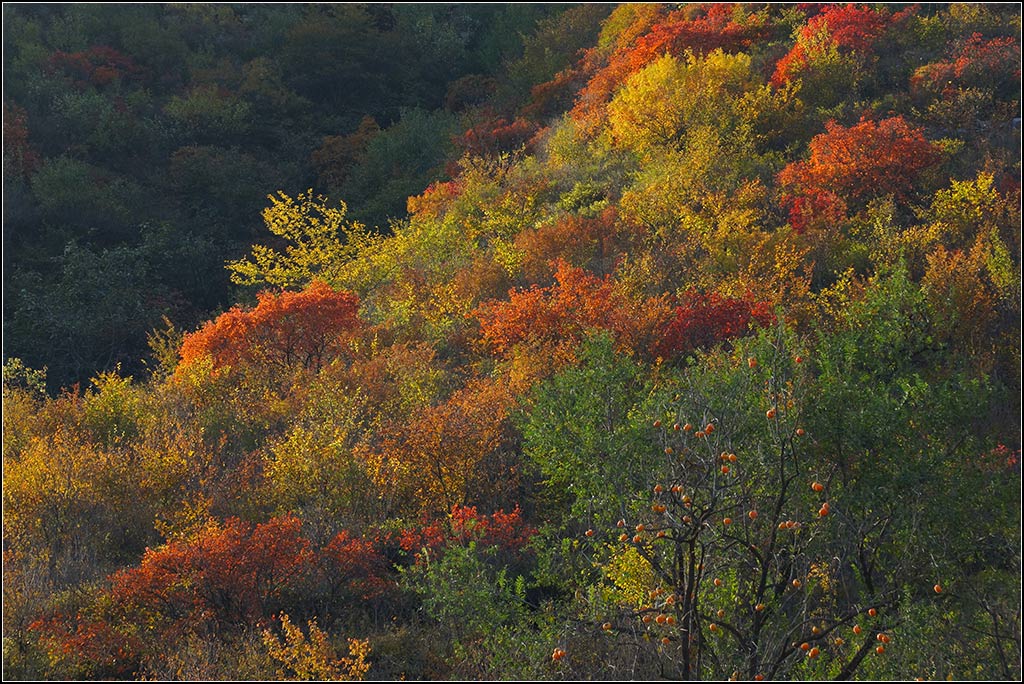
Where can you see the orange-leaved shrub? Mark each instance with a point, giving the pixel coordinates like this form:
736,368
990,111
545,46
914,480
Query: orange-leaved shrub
288,329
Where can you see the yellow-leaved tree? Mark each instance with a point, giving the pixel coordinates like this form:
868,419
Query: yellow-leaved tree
319,242
314,657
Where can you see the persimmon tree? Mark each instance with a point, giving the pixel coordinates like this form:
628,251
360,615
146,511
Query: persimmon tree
892,413
304,328
578,434
724,563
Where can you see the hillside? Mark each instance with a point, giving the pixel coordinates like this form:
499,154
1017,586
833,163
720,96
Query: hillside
140,143
692,349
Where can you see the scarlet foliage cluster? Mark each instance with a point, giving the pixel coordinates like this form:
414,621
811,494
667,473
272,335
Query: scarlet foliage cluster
580,302
92,644
507,531
701,320
856,163
577,302
356,566
713,27
849,28
549,98
976,61
284,329
815,208
495,135
227,574
1000,459
99,65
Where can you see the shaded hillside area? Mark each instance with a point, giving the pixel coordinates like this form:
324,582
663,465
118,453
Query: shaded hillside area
141,142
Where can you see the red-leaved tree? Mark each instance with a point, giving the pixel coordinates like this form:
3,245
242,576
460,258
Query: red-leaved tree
355,567
506,531
848,28
287,329
976,62
702,320
851,165
88,646
98,65
496,134
226,575
564,312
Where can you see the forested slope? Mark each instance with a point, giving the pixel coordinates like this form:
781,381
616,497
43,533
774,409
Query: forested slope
140,143
693,353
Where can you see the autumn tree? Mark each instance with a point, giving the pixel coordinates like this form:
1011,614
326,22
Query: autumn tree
305,328
592,242
495,134
564,312
229,575
337,155
848,166
435,458
841,50
318,241
990,64
312,469
19,158
671,99
355,568
464,525
698,30
86,645
98,65
701,320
